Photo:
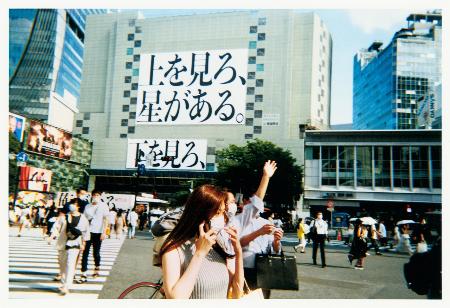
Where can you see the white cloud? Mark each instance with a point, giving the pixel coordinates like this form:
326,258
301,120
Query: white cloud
371,20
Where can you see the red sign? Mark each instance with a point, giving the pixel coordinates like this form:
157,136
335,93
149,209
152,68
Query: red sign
36,179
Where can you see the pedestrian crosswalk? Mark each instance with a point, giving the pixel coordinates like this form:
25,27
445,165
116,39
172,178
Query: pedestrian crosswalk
33,264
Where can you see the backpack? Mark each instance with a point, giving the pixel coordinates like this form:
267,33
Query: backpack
72,232
313,231
417,272
161,229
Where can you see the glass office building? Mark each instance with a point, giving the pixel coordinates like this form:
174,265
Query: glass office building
46,60
377,169
389,82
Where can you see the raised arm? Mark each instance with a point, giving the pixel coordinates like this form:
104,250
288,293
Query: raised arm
269,169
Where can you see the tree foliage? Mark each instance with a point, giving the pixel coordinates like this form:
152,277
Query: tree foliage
240,169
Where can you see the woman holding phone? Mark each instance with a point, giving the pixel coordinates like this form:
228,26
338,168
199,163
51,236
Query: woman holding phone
193,266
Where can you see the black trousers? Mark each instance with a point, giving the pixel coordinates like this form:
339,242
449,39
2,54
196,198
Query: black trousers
96,242
319,241
250,277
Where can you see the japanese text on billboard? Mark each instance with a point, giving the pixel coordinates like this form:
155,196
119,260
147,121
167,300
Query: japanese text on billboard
202,87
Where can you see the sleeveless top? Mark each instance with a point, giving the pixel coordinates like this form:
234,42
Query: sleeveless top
213,278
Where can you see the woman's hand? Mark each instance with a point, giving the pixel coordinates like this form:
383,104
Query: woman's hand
232,231
205,241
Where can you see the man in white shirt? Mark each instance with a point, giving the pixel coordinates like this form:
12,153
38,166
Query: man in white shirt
383,233
257,235
132,223
319,232
97,213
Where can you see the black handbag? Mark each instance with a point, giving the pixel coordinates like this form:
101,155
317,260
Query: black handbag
276,272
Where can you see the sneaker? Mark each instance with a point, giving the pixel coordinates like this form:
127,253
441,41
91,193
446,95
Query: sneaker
63,291
295,248
359,267
379,254
302,251
367,254
57,278
82,279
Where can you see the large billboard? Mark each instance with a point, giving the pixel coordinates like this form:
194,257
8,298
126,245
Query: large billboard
197,87
49,140
37,179
118,201
177,154
16,126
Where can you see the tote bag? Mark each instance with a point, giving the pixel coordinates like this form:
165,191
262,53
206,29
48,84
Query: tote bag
276,272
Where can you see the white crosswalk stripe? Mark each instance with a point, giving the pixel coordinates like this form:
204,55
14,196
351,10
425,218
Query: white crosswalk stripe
33,264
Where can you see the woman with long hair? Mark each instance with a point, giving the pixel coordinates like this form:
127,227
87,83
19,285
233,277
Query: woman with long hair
193,265
359,245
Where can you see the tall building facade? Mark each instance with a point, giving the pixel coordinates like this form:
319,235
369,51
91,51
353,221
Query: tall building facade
287,80
45,63
389,82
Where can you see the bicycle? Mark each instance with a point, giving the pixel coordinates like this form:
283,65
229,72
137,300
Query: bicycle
140,291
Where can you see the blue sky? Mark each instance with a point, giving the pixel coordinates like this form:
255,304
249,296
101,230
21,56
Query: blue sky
351,30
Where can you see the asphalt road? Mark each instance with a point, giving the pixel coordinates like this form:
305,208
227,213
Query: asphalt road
381,279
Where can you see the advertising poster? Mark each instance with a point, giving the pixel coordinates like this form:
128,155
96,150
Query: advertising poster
49,140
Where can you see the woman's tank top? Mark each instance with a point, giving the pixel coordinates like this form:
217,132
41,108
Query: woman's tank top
213,277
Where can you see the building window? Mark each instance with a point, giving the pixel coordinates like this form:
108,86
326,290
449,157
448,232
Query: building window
253,29
259,82
87,116
419,157
85,130
124,122
129,51
329,154
248,136
436,163
79,123
262,21
261,36
131,130
127,79
129,65
125,108
260,52
249,121
400,157
382,159
136,58
251,60
251,75
250,91
252,45
250,106
133,101
135,72
260,67
126,93
346,171
132,115
138,29
137,43
131,22
210,167
123,136
134,86
258,98
258,114
211,151
131,36
257,130
312,153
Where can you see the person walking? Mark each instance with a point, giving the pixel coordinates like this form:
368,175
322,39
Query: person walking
72,231
132,223
319,233
404,244
112,220
359,245
382,233
25,220
301,236
97,213
193,265
121,222
257,234
142,220
374,234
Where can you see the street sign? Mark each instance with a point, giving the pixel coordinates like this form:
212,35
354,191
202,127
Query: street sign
22,156
141,169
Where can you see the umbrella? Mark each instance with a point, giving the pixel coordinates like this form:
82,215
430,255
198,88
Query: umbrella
406,222
368,221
